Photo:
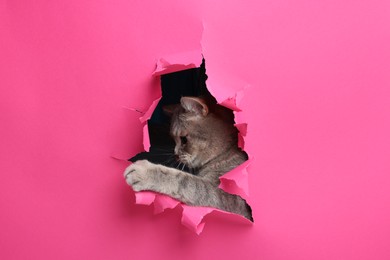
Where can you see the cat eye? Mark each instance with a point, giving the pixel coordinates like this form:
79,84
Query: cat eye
183,140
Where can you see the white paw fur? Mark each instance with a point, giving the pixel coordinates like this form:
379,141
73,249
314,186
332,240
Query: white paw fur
137,175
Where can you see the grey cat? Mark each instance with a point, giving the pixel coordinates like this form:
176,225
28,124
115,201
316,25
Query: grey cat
206,142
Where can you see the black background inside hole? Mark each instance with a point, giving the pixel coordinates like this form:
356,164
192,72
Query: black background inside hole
179,84
175,85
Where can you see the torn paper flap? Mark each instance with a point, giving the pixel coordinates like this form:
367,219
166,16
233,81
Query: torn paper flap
231,104
146,140
226,88
192,217
162,203
236,181
148,114
178,62
233,101
127,138
242,128
145,197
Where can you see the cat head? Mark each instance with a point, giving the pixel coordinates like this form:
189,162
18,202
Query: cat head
201,133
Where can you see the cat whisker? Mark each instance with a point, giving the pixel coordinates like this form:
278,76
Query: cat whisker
169,160
178,166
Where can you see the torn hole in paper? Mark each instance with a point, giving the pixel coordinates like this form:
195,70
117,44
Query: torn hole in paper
159,145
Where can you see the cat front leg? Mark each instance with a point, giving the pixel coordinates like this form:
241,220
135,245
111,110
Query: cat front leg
144,175
192,190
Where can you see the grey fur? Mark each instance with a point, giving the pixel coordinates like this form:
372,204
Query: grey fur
204,142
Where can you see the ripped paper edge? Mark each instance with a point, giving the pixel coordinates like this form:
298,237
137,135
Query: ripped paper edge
234,182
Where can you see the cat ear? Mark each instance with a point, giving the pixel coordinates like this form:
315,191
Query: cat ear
169,109
196,105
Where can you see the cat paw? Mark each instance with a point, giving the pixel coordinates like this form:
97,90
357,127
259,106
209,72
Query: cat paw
137,175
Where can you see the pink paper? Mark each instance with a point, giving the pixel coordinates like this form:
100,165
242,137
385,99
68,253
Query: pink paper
192,217
317,114
236,181
146,116
145,197
178,62
146,141
242,128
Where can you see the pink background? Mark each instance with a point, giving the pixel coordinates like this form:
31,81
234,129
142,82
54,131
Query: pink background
317,112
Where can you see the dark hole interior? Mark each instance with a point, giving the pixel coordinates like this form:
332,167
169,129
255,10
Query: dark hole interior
175,85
